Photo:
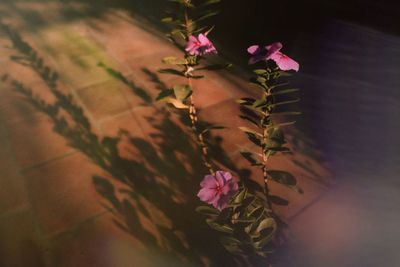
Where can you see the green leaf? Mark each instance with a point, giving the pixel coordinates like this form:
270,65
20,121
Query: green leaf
182,91
257,212
260,102
209,2
207,15
260,71
255,139
259,86
284,178
238,198
215,67
183,2
286,102
168,96
248,130
276,138
286,91
261,80
207,210
268,235
263,254
278,149
284,74
249,157
248,201
174,61
177,103
246,101
165,94
253,136
177,33
279,125
231,244
167,20
221,228
247,118
265,224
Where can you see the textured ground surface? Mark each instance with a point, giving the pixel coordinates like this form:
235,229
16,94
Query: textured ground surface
57,182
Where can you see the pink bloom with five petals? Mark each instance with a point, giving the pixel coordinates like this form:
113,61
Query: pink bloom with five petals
218,189
200,46
272,52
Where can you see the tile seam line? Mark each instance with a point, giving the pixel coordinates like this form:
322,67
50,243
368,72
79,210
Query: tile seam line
308,206
44,163
77,225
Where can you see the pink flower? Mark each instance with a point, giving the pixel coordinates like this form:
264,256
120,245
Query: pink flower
200,45
272,52
218,189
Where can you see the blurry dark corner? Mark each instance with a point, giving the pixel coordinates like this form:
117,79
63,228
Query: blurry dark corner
31,254
157,186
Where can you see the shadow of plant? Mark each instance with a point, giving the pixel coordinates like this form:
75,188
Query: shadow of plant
153,195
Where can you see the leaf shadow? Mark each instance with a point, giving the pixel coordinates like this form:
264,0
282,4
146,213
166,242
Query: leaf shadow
151,193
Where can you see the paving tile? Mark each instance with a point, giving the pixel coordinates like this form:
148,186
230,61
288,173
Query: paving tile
12,188
108,99
62,193
75,55
16,106
5,51
207,92
101,243
31,13
17,71
34,141
232,80
158,119
19,245
125,122
80,71
145,72
226,114
13,195
125,39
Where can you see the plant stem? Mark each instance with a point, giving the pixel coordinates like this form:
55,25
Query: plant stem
193,112
200,138
265,154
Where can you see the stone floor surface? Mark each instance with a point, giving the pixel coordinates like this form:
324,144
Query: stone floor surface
64,193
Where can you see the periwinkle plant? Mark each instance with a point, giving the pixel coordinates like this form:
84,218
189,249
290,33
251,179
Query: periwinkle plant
249,227
188,35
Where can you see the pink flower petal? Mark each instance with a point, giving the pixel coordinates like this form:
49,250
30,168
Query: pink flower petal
219,175
253,49
284,62
200,45
207,195
208,182
273,48
228,176
218,189
203,39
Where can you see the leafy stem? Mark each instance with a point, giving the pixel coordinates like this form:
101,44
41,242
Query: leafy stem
200,138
